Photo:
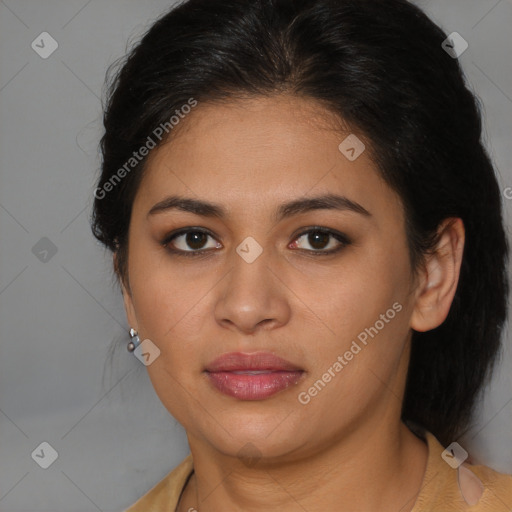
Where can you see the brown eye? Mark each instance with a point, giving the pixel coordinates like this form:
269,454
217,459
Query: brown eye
322,241
192,241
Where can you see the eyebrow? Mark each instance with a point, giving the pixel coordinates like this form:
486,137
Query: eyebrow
285,210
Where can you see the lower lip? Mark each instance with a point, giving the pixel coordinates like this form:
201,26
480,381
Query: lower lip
253,386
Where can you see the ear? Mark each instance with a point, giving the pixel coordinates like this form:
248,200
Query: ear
439,277
127,298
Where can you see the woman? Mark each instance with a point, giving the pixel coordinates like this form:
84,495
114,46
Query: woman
308,235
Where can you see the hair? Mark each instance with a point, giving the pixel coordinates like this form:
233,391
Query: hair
380,67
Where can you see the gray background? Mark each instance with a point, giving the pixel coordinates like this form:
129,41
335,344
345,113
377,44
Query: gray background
59,313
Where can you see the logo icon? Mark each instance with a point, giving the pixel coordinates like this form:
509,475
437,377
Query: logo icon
44,45
249,455
45,455
44,250
249,249
352,147
147,352
454,45
454,455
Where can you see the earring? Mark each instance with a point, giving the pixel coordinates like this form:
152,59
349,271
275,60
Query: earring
135,340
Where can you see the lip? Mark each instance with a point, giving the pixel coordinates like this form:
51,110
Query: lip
253,376
239,361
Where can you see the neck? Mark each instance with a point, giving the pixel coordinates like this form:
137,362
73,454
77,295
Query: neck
368,469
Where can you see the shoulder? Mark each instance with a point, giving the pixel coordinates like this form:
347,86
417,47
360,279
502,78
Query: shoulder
497,487
165,494
451,485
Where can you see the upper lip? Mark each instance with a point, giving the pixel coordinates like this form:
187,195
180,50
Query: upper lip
239,361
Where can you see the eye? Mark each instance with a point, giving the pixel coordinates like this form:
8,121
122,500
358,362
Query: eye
324,241
191,241
194,239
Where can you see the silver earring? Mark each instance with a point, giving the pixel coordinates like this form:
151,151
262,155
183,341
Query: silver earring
135,340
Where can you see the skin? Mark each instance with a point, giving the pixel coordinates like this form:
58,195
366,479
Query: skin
250,156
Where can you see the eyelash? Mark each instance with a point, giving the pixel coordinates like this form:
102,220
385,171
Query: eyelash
343,239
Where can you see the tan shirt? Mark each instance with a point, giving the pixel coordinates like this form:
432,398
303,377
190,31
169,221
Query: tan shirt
440,490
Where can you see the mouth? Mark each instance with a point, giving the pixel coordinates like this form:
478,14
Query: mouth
254,376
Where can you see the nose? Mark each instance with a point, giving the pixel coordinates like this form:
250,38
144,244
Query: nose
253,296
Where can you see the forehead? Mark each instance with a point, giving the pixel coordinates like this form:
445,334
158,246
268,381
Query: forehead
251,154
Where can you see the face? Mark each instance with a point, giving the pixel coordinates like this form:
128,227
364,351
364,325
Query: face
326,286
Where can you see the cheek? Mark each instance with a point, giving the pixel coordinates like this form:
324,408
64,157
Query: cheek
163,294
361,315
352,296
